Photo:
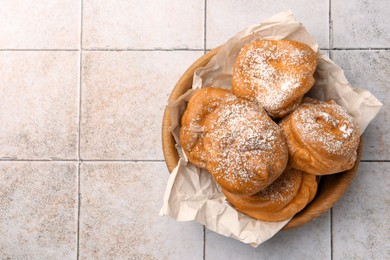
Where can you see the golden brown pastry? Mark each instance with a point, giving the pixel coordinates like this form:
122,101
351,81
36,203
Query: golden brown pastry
201,104
274,73
281,200
245,149
322,137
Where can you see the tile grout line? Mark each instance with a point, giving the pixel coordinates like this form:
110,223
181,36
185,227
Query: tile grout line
374,160
78,211
357,49
330,31
119,160
77,160
39,50
204,242
79,134
113,49
80,82
37,160
331,234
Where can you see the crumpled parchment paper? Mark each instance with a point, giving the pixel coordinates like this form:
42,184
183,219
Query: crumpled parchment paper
191,193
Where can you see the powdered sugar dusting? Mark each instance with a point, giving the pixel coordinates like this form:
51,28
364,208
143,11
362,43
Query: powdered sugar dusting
276,72
347,131
201,104
327,126
245,148
283,189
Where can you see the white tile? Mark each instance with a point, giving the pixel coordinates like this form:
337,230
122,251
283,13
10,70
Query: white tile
361,23
119,215
226,18
306,242
123,100
361,218
39,104
146,24
38,205
43,24
370,70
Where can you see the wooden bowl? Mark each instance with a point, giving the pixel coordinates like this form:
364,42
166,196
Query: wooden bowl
330,189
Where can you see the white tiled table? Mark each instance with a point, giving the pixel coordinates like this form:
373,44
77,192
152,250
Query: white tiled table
83,86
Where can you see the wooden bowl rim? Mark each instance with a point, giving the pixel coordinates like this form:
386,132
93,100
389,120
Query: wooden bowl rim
331,187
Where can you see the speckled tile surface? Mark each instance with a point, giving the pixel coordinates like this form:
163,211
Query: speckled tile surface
40,24
361,23
38,205
370,70
84,83
123,99
361,218
39,104
167,24
226,18
118,218
307,242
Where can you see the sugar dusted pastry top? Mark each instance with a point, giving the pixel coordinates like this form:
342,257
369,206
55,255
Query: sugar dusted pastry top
201,104
281,200
322,137
274,197
245,149
274,73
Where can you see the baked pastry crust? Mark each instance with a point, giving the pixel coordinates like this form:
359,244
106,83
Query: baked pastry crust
276,74
322,137
284,198
245,149
201,104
